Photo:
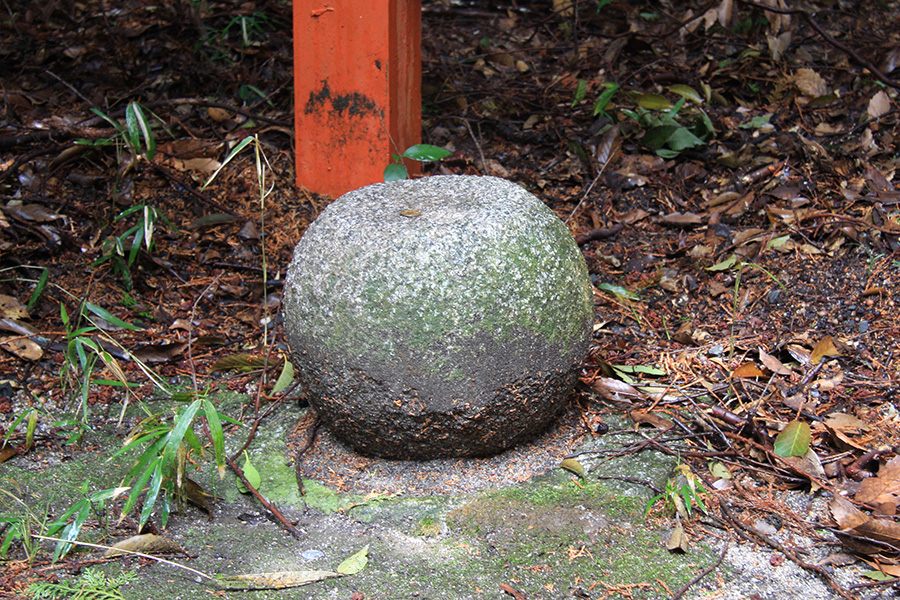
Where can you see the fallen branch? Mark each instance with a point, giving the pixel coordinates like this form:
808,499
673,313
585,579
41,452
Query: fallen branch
268,505
701,574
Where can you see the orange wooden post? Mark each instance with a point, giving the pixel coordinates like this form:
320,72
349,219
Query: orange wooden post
357,81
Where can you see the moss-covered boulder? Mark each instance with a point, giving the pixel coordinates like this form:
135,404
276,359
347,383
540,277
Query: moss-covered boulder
440,317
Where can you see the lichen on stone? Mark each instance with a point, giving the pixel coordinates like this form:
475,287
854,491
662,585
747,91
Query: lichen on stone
426,285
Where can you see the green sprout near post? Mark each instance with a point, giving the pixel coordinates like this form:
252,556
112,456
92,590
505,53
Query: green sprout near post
420,152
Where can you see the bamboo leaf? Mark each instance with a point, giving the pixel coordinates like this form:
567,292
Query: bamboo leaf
573,466
355,563
218,437
251,474
285,378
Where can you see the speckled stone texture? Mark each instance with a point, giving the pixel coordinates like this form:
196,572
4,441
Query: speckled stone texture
440,317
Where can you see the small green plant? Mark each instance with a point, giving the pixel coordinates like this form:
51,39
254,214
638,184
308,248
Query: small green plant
122,250
68,526
250,29
681,494
19,529
663,132
134,140
603,100
92,584
135,136
159,470
131,303
83,351
250,94
39,288
420,152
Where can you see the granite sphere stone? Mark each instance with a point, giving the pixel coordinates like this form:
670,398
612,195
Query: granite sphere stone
439,317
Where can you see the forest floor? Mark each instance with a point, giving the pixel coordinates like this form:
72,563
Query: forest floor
727,171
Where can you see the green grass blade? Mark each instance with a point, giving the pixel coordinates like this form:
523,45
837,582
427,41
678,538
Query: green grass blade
152,493
176,436
218,436
38,289
110,318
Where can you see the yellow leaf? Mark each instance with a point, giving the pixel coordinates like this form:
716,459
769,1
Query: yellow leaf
824,348
573,466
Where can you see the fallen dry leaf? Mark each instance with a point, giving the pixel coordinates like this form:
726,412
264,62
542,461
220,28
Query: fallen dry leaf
845,421
847,516
651,418
12,308
678,539
7,451
879,105
747,371
810,83
22,347
158,353
883,490
147,543
772,363
855,522
619,393
276,580
824,348
892,570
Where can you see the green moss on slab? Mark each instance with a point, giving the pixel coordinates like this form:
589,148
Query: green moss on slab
484,256
573,536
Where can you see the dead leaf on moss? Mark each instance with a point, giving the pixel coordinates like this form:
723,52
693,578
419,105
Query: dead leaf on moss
573,466
678,539
512,592
7,451
147,543
277,580
651,418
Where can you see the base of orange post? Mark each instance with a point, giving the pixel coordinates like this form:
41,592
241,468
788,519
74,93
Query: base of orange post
357,78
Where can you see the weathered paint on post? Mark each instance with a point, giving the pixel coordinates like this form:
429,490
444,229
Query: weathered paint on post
357,78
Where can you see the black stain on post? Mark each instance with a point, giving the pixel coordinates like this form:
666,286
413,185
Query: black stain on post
355,104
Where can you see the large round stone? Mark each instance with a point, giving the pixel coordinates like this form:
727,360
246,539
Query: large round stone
439,317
